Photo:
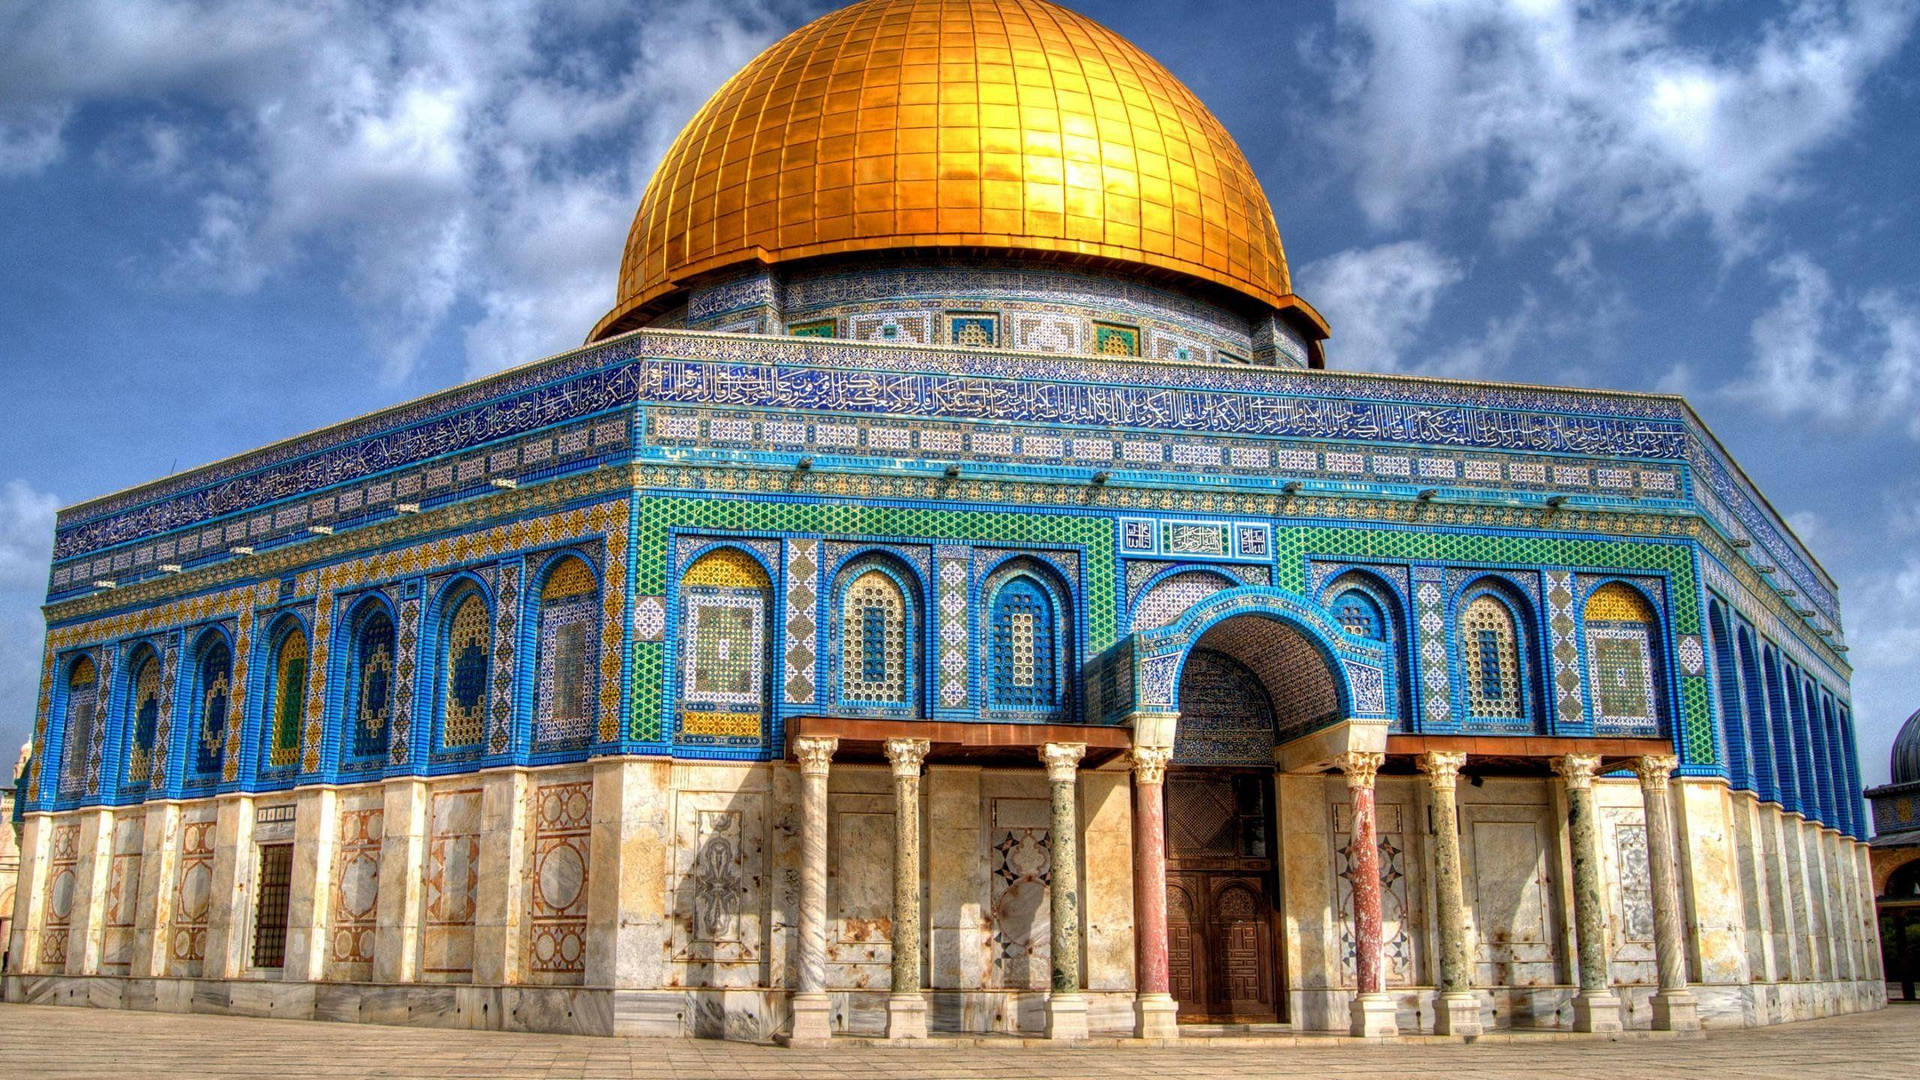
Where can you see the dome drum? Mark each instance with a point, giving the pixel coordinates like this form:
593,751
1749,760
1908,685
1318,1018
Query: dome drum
993,300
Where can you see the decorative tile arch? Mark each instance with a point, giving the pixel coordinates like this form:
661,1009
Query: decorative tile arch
1343,596
875,635
1356,668
80,698
461,665
1028,649
146,675
724,664
566,651
210,707
368,698
285,700
1623,651
1494,650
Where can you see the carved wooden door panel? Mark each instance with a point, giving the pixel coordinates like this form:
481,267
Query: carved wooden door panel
1186,946
1242,939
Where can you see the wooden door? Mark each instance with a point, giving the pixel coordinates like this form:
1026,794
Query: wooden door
1220,913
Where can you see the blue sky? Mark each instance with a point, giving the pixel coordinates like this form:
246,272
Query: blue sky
227,221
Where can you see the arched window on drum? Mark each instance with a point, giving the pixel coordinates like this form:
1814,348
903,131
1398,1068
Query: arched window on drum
1028,647
143,717
1494,660
212,698
82,705
466,649
1622,661
370,686
726,603
286,699
875,635
567,673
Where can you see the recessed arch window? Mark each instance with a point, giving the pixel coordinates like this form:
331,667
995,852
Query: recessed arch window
287,698
568,649
468,641
1027,643
370,685
1492,660
875,631
1619,628
726,601
144,713
213,694
83,699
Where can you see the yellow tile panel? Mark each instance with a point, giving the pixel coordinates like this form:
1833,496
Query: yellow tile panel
1011,124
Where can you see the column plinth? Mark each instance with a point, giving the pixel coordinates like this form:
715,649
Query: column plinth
1675,1008
1595,1007
1372,1014
1154,1010
1457,1012
1066,1006
812,1013
907,1004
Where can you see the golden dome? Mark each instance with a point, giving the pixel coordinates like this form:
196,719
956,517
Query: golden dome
987,124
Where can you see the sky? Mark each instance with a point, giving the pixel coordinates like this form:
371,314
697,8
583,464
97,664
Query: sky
223,222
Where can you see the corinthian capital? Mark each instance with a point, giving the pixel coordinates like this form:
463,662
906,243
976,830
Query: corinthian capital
1062,759
1654,770
1360,766
907,755
1577,769
814,753
1150,763
1442,767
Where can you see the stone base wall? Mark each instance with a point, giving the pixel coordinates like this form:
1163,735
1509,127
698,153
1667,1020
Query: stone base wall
653,897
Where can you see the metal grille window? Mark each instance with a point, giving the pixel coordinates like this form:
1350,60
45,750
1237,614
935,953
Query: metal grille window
1022,643
873,658
1490,651
373,685
146,719
216,671
270,913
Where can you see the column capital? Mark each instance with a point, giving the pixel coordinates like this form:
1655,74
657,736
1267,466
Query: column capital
1442,766
907,755
1577,769
1654,769
814,753
1150,763
1062,759
1360,766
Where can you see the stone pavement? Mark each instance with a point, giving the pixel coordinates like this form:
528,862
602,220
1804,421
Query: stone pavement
94,1044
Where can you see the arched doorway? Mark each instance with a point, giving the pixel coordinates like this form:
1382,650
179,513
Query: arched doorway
1245,681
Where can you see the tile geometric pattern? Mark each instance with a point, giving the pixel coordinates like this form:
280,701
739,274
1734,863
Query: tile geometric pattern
954,645
1430,635
803,619
1561,632
400,733
506,630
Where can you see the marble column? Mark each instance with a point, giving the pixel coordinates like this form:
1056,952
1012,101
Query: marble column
1066,1006
1674,1006
1153,1005
907,1005
1595,1007
1372,1013
812,1013
1457,1012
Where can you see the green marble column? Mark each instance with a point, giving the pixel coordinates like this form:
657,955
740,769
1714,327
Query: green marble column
1458,1010
1595,1008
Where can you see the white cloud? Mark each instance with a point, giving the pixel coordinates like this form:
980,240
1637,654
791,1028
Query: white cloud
478,162
1839,359
26,548
1882,618
1584,115
1378,301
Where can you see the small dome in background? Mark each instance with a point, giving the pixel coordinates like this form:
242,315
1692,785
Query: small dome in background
1906,751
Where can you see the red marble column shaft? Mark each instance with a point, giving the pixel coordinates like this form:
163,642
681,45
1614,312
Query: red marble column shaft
1150,883
1363,863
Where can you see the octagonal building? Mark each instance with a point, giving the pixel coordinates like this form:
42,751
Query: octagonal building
947,594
